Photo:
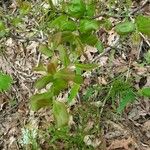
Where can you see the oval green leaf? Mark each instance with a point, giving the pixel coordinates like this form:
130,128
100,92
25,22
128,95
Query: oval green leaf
88,25
43,81
59,85
65,74
145,92
89,39
143,24
125,28
5,82
76,8
38,101
73,93
60,113
45,50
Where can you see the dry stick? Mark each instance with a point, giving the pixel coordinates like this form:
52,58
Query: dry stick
108,49
128,71
140,49
148,43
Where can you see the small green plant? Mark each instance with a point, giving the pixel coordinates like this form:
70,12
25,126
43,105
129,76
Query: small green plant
29,139
72,137
71,28
5,82
72,31
123,91
69,140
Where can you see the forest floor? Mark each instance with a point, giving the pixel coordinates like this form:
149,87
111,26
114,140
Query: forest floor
129,131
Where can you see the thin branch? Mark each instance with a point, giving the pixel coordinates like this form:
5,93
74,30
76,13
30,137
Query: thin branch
107,50
148,43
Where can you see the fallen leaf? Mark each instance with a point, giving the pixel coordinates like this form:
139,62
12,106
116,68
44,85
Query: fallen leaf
123,143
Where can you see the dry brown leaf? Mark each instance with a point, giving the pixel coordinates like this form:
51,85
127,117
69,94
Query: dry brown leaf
140,70
113,38
102,80
146,128
124,143
90,140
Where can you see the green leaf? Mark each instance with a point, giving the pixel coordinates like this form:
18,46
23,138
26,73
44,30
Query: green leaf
73,93
58,21
79,46
68,26
59,85
78,79
68,36
143,24
52,65
86,66
76,8
145,92
60,113
5,82
45,50
125,28
63,56
2,29
40,67
90,10
100,47
135,38
66,74
16,21
38,101
51,68
89,39
2,26
43,81
57,39
128,98
88,25
63,23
